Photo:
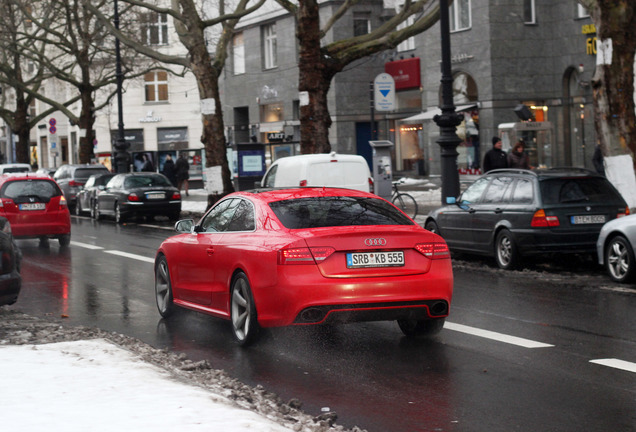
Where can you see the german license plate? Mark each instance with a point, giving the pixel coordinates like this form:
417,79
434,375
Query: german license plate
155,195
375,259
588,219
32,206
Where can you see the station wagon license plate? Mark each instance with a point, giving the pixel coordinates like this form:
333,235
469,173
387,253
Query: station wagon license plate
587,219
375,259
160,195
32,206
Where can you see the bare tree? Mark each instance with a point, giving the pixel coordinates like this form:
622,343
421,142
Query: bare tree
319,64
21,78
613,81
77,51
205,34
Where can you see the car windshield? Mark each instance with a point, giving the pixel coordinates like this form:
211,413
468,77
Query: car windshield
319,212
85,173
145,181
44,189
574,190
102,180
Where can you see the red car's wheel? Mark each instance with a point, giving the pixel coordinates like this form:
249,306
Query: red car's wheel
163,288
243,311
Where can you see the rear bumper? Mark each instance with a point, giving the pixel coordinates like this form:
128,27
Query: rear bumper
538,242
303,296
53,226
159,208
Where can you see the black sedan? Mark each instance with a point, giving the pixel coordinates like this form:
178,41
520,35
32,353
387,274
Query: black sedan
10,280
138,194
86,197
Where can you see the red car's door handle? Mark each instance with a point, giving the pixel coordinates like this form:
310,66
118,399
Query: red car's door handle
210,251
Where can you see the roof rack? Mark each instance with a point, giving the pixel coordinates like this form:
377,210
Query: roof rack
512,170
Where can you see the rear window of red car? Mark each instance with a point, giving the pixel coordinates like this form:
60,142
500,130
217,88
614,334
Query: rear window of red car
42,188
320,212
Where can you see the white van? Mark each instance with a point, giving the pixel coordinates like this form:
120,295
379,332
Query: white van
14,168
333,170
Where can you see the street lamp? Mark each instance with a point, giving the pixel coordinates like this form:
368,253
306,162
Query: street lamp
449,119
122,157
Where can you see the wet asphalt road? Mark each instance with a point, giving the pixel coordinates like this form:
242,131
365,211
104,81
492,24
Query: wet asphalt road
520,352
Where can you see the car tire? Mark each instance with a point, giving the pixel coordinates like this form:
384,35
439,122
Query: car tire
119,217
78,209
506,253
96,211
163,288
64,240
92,209
619,260
431,226
245,326
421,328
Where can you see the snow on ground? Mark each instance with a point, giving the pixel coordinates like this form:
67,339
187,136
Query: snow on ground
94,385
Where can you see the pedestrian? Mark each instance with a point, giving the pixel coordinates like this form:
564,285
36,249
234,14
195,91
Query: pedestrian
147,166
518,158
183,169
495,157
597,160
169,170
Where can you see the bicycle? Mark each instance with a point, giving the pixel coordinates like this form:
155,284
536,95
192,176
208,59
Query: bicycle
404,201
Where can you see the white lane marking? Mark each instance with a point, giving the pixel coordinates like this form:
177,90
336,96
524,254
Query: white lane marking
616,364
156,226
526,343
86,245
129,255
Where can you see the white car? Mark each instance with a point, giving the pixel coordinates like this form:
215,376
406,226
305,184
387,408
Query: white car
14,168
332,170
615,248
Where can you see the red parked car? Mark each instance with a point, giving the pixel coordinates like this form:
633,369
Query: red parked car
35,207
304,257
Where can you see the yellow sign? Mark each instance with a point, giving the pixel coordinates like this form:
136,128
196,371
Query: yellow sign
588,29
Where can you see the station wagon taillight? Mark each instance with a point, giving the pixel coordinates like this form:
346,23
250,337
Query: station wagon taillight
75,183
304,255
539,220
433,250
622,212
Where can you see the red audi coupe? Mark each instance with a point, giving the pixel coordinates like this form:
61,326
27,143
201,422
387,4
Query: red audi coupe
303,257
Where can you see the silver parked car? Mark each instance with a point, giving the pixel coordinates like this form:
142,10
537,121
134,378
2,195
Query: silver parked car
615,248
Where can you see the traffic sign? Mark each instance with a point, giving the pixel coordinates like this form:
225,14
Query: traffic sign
52,129
384,92
52,121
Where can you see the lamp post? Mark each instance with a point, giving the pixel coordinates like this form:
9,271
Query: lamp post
122,157
449,119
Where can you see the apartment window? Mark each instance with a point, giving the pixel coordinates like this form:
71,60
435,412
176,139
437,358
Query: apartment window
581,12
361,24
460,17
270,54
156,86
408,44
272,112
529,12
238,54
154,28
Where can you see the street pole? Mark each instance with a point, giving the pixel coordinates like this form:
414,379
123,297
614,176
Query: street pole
122,157
449,119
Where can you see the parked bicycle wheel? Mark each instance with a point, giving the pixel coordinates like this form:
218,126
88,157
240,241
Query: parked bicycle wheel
406,203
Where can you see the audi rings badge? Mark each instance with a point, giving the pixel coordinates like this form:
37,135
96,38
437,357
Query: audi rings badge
375,242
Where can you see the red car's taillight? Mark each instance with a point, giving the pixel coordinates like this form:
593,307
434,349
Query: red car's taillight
63,203
539,220
304,255
433,250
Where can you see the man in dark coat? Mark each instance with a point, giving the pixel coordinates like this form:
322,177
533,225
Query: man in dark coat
169,170
495,157
183,168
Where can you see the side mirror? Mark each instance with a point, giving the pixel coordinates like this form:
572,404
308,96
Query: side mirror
184,226
451,200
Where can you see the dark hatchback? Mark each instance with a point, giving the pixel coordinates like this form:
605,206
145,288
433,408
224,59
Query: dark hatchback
87,195
10,256
138,194
510,213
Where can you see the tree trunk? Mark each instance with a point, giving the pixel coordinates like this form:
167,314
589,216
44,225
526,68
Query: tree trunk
613,83
22,129
86,122
316,73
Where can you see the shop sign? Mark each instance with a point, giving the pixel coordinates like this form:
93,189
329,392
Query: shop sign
275,136
405,73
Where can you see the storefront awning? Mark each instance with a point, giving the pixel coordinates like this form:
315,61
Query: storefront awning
428,115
